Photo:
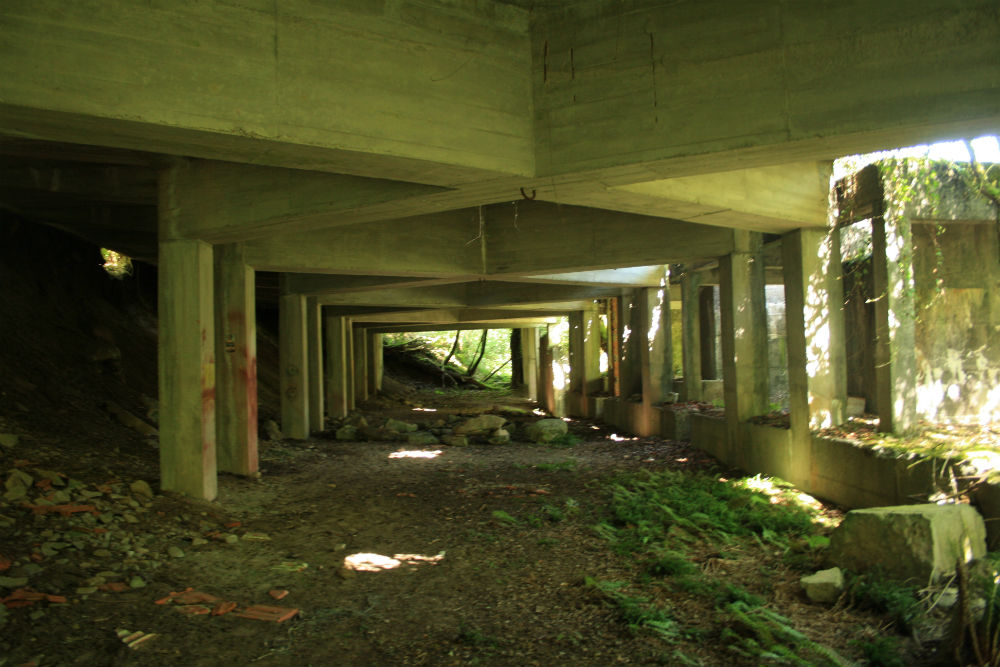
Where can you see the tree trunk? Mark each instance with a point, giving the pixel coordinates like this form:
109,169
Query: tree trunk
479,356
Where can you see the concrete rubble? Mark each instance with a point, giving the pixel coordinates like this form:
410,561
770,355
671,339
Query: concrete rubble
919,542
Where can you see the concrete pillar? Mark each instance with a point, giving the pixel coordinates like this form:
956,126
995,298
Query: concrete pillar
656,363
584,359
707,333
744,333
629,368
236,361
814,319
337,367
895,317
359,353
546,390
314,341
691,335
529,357
293,366
374,363
186,366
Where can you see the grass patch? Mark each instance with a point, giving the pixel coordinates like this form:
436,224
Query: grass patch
637,613
565,440
899,602
648,509
554,467
505,519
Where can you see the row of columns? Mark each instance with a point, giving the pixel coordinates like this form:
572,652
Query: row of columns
208,365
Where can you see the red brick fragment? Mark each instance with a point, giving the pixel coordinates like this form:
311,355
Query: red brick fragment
278,593
114,587
223,608
194,609
234,524
263,612
5,563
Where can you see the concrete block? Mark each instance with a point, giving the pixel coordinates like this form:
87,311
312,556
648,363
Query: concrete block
824,586
918,542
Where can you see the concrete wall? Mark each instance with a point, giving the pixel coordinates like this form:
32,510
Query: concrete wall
957,275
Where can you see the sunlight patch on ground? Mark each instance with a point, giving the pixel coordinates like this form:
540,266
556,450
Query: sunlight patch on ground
619,438
540,413
416,454
371,562
424,409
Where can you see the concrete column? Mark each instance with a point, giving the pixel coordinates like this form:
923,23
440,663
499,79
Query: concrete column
707,333
338,371
895,316
630,368
744,333
691,335
529,357
584,359
656,363
546,390
814,318
293,366
359,352
374,362
236,365
314,341
186,366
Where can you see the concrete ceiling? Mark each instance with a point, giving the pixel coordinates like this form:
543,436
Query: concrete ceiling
436,155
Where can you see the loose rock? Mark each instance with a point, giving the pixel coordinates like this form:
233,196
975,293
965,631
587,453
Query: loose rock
481,425
909,541
824,586
546,430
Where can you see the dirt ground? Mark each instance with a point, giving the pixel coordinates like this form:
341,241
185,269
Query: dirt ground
390,554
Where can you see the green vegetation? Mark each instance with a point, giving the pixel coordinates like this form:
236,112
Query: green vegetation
638,613
651,510
659,518
487,357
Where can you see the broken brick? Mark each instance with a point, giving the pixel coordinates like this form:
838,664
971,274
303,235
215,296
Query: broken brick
223,608
194,609
278,593
114,587
263,612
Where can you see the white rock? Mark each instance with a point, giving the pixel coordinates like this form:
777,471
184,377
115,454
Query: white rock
824,586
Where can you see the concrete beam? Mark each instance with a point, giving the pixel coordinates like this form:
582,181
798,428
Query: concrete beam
686,89
224,201
471,326
773,198
480,294
398,92
543,239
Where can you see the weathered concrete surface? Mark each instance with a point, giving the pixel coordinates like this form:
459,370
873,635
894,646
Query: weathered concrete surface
824,586
919,542
187,369
236,362
293,365
339,374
